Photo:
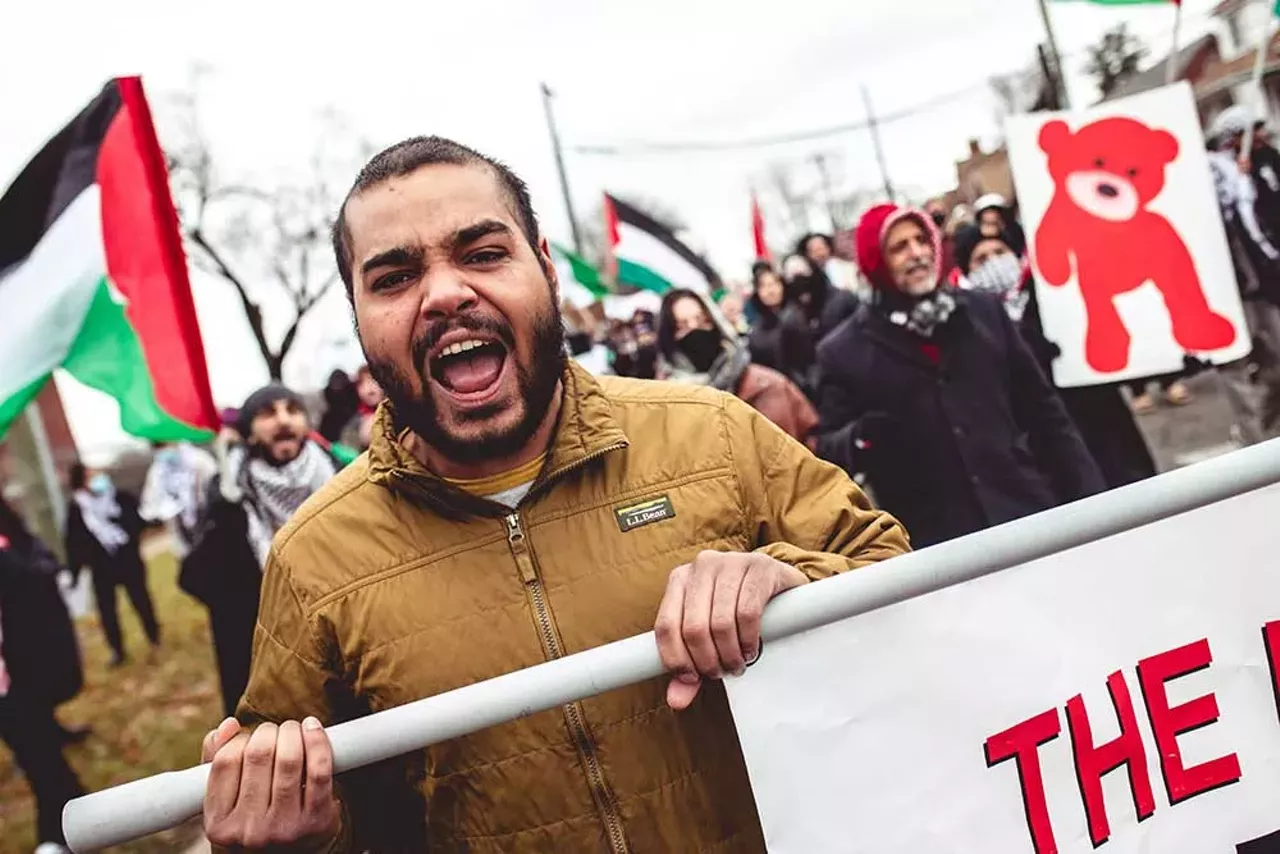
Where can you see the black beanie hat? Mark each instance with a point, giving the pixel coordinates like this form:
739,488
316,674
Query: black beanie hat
967,239
264,398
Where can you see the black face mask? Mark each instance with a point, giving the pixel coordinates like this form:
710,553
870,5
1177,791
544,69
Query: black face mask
938,218
702,347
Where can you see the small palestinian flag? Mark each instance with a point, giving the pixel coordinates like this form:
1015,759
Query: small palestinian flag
93,278
649,256
580,283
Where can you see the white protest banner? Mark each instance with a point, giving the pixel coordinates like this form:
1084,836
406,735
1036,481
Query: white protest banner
1131,262
1121,694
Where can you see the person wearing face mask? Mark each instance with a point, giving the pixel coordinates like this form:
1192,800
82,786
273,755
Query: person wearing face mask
934,394
268,465
104,533
780,338
174,491
700,348
1100,413
822,304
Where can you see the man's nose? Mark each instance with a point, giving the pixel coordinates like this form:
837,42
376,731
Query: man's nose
446,293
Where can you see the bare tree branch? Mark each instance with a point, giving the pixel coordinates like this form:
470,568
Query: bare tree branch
252,235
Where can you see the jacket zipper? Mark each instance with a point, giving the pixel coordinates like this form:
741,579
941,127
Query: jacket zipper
600,789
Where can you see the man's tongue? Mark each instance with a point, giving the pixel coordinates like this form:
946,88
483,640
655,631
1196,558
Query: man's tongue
471,373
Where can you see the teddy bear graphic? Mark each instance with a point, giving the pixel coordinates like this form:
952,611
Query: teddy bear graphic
1105,175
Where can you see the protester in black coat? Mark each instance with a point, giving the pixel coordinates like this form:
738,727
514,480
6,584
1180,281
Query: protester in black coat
937,397
1100,413
780,338
104,534
822,305
39,668
268,466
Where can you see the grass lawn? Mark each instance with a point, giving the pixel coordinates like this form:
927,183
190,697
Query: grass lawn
148,716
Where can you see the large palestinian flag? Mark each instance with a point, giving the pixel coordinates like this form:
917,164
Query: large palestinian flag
93,278
649,256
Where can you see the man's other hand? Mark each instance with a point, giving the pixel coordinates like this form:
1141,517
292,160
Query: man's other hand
709,620
273,787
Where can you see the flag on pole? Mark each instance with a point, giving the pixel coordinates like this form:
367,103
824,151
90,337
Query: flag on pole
649,256
93,278
580,283
757,230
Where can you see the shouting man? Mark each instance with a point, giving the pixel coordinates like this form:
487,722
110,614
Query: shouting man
933,393
513,509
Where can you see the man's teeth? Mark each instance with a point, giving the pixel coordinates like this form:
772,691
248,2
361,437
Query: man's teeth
462,347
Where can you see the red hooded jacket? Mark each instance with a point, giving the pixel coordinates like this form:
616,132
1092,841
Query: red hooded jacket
870,235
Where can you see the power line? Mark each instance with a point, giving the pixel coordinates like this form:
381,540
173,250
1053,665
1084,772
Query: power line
643,147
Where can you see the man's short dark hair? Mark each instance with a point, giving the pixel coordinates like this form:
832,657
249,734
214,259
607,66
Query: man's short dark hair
413,154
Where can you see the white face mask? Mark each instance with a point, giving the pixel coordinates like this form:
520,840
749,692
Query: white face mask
1000,274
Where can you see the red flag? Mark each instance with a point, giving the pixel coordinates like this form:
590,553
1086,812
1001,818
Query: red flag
757,230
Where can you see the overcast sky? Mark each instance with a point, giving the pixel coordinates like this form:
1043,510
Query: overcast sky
664,70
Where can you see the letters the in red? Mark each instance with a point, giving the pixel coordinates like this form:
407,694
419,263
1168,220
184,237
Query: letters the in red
1168,723
1021,742
1092,763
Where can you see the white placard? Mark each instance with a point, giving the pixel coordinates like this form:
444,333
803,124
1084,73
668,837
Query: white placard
1125,235
882,733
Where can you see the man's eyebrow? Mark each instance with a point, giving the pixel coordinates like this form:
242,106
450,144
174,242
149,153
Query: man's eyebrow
399,256
484,228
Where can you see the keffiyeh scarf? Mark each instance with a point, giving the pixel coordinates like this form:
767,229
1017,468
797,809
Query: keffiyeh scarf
272,494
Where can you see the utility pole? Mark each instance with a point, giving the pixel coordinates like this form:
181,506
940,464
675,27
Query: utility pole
1054,89
820,163
875,140
1064,99
564,178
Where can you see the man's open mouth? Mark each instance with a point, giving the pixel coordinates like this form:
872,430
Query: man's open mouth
469,367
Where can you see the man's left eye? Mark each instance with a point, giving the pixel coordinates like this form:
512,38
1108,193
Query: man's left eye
486,256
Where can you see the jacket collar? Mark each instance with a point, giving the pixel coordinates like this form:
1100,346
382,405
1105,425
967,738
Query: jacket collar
905,344
585,431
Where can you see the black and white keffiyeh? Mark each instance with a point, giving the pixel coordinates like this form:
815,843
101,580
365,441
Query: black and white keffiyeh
272,494
922,315
100,513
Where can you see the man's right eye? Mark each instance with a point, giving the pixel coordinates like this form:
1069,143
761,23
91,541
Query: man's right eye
390,280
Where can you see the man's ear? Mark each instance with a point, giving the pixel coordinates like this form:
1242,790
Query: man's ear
549,267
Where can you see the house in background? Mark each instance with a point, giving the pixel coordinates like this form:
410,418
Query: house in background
1219,64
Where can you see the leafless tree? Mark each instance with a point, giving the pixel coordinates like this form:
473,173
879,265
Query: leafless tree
255,236
1019,91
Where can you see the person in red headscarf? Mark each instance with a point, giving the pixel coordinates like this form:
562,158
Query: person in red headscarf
933,393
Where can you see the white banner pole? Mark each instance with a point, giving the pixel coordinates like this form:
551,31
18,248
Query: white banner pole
146,806
1255,82
1171,64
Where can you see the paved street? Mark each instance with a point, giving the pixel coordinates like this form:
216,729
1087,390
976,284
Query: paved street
1183,435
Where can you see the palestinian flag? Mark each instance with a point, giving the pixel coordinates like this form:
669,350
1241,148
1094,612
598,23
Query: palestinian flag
580,283
93,278
649,256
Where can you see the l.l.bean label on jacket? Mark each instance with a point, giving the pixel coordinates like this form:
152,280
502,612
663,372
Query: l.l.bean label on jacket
632,516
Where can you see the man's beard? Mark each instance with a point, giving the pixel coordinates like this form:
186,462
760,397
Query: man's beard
536,386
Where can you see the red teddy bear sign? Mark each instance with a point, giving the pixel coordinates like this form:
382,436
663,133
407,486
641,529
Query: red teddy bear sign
1132,267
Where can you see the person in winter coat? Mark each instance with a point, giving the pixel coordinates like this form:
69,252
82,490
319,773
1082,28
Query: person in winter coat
780,338
104,535
936,396
698,348
1100,414
268,465
513,509
822,304
39,668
